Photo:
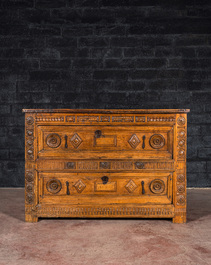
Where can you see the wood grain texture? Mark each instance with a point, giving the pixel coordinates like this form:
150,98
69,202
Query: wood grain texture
105,163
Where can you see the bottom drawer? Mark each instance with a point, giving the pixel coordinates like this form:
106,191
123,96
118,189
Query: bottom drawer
109,188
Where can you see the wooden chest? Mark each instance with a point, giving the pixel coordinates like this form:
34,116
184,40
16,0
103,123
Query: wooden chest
105,163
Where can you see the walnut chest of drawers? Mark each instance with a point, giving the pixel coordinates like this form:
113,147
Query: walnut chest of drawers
105,163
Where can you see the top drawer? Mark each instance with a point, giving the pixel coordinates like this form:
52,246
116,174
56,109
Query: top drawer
110,142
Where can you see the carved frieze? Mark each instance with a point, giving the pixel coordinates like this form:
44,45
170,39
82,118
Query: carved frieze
160,119
105,211
49,119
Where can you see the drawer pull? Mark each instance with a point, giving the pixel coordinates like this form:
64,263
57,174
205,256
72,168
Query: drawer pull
143,145
67,184
66,146
143,190
139,165
104,179
98,133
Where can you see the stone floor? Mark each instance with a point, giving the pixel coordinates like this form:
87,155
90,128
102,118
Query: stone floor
105,241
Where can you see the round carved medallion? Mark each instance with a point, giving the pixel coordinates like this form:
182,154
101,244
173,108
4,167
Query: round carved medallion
157,186
181,200
29,188
181,142
29,176
180,188
181,133
180,178
53,140
29,198
29,120
181,121
157,141
54,186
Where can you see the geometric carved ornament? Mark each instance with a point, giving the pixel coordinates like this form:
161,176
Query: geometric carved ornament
131,186
134,141
76,140
79,186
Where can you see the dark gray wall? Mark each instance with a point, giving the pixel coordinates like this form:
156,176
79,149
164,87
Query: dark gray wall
105,54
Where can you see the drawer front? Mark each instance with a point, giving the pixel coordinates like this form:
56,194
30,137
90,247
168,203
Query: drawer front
99,188
83,142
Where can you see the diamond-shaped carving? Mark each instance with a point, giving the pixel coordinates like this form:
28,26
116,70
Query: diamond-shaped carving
79,186
134,141
76,140
131,186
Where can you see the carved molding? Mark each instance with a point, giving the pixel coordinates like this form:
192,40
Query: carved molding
105,211
160,119
118,165
87,165
49,119
88,118
105,118
139,118
123,119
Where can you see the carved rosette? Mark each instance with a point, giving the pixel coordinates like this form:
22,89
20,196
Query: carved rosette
29,124
53,140
157,141
54,186
157,186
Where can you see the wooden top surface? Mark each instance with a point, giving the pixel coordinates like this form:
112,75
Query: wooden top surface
119,111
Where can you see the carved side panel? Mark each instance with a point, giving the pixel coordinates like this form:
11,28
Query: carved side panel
30,172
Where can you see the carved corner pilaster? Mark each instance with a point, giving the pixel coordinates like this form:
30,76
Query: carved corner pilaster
30,171
180,182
